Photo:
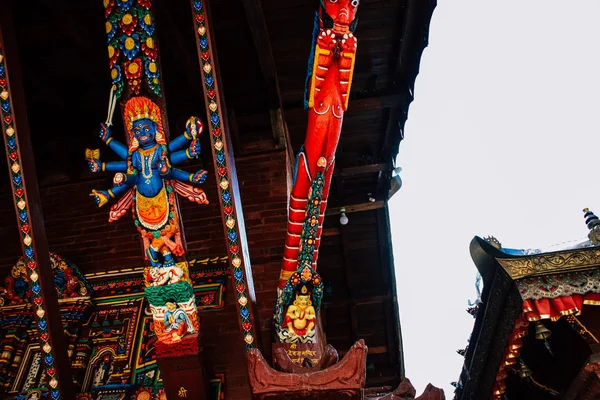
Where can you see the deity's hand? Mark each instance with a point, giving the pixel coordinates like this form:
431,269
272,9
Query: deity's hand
162,165
193,128
100,196
327,40
200,176
194,149
94,164
348,43
104,132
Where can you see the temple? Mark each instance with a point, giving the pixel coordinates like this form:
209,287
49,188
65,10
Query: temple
536,333
196,199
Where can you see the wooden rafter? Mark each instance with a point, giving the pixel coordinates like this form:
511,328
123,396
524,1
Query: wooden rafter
262,43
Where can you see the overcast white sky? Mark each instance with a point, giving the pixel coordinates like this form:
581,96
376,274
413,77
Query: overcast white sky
502,139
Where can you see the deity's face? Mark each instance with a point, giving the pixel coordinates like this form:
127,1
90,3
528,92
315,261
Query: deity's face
171,306
144,130
343,12
302,301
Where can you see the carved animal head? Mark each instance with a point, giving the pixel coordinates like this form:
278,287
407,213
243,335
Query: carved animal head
339,15
155,273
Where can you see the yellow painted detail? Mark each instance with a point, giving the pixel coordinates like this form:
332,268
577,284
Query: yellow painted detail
129,43
127,19
133,68
351,56
318,52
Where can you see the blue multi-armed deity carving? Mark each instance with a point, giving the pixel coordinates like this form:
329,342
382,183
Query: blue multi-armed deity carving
146,179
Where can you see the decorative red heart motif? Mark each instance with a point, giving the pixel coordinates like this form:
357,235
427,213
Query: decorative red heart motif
240,288
2,82
200,17
19,192
7,119
228,210
205,55
37,300
51,371
222,171
25,228
13,156
247,326
211,93
217,131
234,248
31,264
45,337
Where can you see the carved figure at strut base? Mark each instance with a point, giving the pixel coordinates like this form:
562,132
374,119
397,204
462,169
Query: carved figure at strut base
147,179
300,317
297,308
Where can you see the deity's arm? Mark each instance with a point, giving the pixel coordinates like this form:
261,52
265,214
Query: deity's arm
196,177
122,183
119,148
291,312
93,160
104,196
193,151
179,142
193,129
115,166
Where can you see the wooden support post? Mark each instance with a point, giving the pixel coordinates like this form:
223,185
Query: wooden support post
137,84
15,131
225,173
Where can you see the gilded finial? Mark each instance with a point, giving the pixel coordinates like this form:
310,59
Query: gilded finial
593,224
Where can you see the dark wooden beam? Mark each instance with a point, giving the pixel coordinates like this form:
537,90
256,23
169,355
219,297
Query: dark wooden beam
28,207
262,43
369,205
362,169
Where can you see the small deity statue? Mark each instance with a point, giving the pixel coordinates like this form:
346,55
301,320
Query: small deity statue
300,316
147,178
103,371
177,323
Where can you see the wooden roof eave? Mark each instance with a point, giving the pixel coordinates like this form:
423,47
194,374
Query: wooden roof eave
501,305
